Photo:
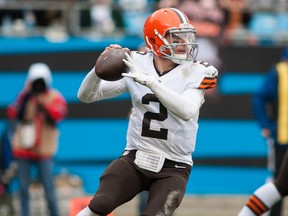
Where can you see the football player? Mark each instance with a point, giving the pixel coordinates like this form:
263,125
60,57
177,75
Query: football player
268,194
167,87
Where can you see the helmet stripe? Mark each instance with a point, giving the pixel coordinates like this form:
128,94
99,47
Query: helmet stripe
181,16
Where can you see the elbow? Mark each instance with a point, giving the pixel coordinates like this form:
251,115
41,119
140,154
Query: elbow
187,114
190,110
88,97
83,98
184,113
186,117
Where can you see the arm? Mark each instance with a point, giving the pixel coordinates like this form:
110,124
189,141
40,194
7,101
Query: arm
262,98
56,108
16,109
185,105
93,88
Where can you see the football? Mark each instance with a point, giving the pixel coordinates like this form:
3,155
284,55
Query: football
110,66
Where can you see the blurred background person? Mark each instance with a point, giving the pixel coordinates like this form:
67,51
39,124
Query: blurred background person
270,107
37,110
168,3
101,17
208,18
237,16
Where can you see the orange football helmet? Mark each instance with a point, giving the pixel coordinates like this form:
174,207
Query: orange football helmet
167,28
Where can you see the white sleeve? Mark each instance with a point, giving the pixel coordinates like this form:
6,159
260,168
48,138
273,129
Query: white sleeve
185,105
93,88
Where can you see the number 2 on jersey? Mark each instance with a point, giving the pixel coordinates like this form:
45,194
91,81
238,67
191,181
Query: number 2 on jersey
148,116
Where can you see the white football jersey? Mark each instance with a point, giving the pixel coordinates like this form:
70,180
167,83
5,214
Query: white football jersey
152,126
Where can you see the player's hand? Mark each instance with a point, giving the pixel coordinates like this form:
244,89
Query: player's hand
115,46
136,74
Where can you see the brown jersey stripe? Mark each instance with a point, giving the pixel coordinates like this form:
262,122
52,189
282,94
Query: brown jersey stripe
208,82
209,79
207,86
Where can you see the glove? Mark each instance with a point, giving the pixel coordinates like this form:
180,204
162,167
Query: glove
136,74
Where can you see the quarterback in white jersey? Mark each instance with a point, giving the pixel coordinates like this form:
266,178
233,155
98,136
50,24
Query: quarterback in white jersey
167,87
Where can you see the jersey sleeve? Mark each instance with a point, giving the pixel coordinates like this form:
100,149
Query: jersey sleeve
94,89
206,76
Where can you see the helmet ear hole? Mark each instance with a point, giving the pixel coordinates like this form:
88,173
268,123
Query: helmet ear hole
152,40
